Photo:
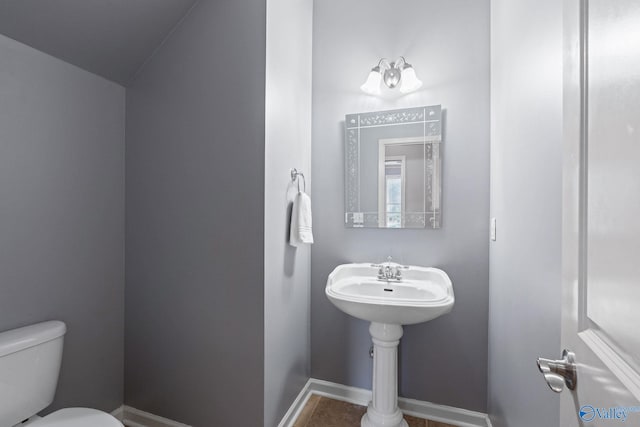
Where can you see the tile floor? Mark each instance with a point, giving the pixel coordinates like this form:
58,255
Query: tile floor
324,412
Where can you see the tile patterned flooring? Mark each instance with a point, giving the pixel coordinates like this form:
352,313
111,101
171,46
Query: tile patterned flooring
324,412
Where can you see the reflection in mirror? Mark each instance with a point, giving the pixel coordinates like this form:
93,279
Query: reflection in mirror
393,168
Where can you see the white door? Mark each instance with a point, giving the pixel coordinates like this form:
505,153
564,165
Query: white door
601,224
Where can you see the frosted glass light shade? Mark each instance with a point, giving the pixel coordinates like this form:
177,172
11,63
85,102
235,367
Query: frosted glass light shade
372,85
410,82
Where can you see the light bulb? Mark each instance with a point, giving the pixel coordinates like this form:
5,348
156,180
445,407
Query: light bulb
409,81
372,85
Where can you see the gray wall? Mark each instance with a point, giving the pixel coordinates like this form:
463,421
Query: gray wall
62,215
287,145
443,361
526,199
195,221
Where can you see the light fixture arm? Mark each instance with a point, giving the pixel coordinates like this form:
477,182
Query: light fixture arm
399,63
384,64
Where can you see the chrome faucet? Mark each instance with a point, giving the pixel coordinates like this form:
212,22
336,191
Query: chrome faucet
388,271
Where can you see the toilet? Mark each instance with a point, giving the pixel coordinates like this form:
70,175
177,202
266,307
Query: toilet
30,359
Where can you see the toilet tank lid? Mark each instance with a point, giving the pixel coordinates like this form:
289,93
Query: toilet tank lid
22,338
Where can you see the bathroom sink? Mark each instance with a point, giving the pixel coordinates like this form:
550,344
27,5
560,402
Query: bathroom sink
389,296
421,294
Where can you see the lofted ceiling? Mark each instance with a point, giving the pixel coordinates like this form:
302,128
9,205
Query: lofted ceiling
111,38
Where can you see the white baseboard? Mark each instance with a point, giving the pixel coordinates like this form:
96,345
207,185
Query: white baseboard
294,410
133,417
441,413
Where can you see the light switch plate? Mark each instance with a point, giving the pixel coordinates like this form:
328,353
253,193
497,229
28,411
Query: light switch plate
493,229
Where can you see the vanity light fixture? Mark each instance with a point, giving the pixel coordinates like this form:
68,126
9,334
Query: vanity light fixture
392,74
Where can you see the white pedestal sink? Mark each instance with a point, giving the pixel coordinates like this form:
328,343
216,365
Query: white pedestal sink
419,295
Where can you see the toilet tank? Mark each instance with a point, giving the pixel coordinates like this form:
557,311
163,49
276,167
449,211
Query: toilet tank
30,360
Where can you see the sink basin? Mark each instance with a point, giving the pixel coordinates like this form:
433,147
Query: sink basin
421,295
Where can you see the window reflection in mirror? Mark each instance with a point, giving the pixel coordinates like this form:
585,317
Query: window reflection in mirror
394,191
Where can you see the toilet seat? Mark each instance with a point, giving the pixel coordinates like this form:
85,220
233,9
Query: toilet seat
78,417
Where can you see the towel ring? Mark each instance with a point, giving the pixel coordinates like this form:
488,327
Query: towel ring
295,175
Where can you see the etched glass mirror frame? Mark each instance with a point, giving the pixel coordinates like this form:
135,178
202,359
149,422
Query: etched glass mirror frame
377,131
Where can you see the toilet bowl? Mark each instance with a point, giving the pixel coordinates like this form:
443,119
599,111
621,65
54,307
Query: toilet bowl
30,359
77,417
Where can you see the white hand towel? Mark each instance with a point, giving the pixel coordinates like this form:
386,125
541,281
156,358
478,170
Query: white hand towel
300,232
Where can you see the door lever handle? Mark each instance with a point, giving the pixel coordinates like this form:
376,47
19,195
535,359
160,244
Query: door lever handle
559,373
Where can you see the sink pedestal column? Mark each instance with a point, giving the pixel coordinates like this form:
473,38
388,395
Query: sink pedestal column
383,409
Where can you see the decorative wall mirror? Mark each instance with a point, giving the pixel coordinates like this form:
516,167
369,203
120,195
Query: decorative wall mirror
393,168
